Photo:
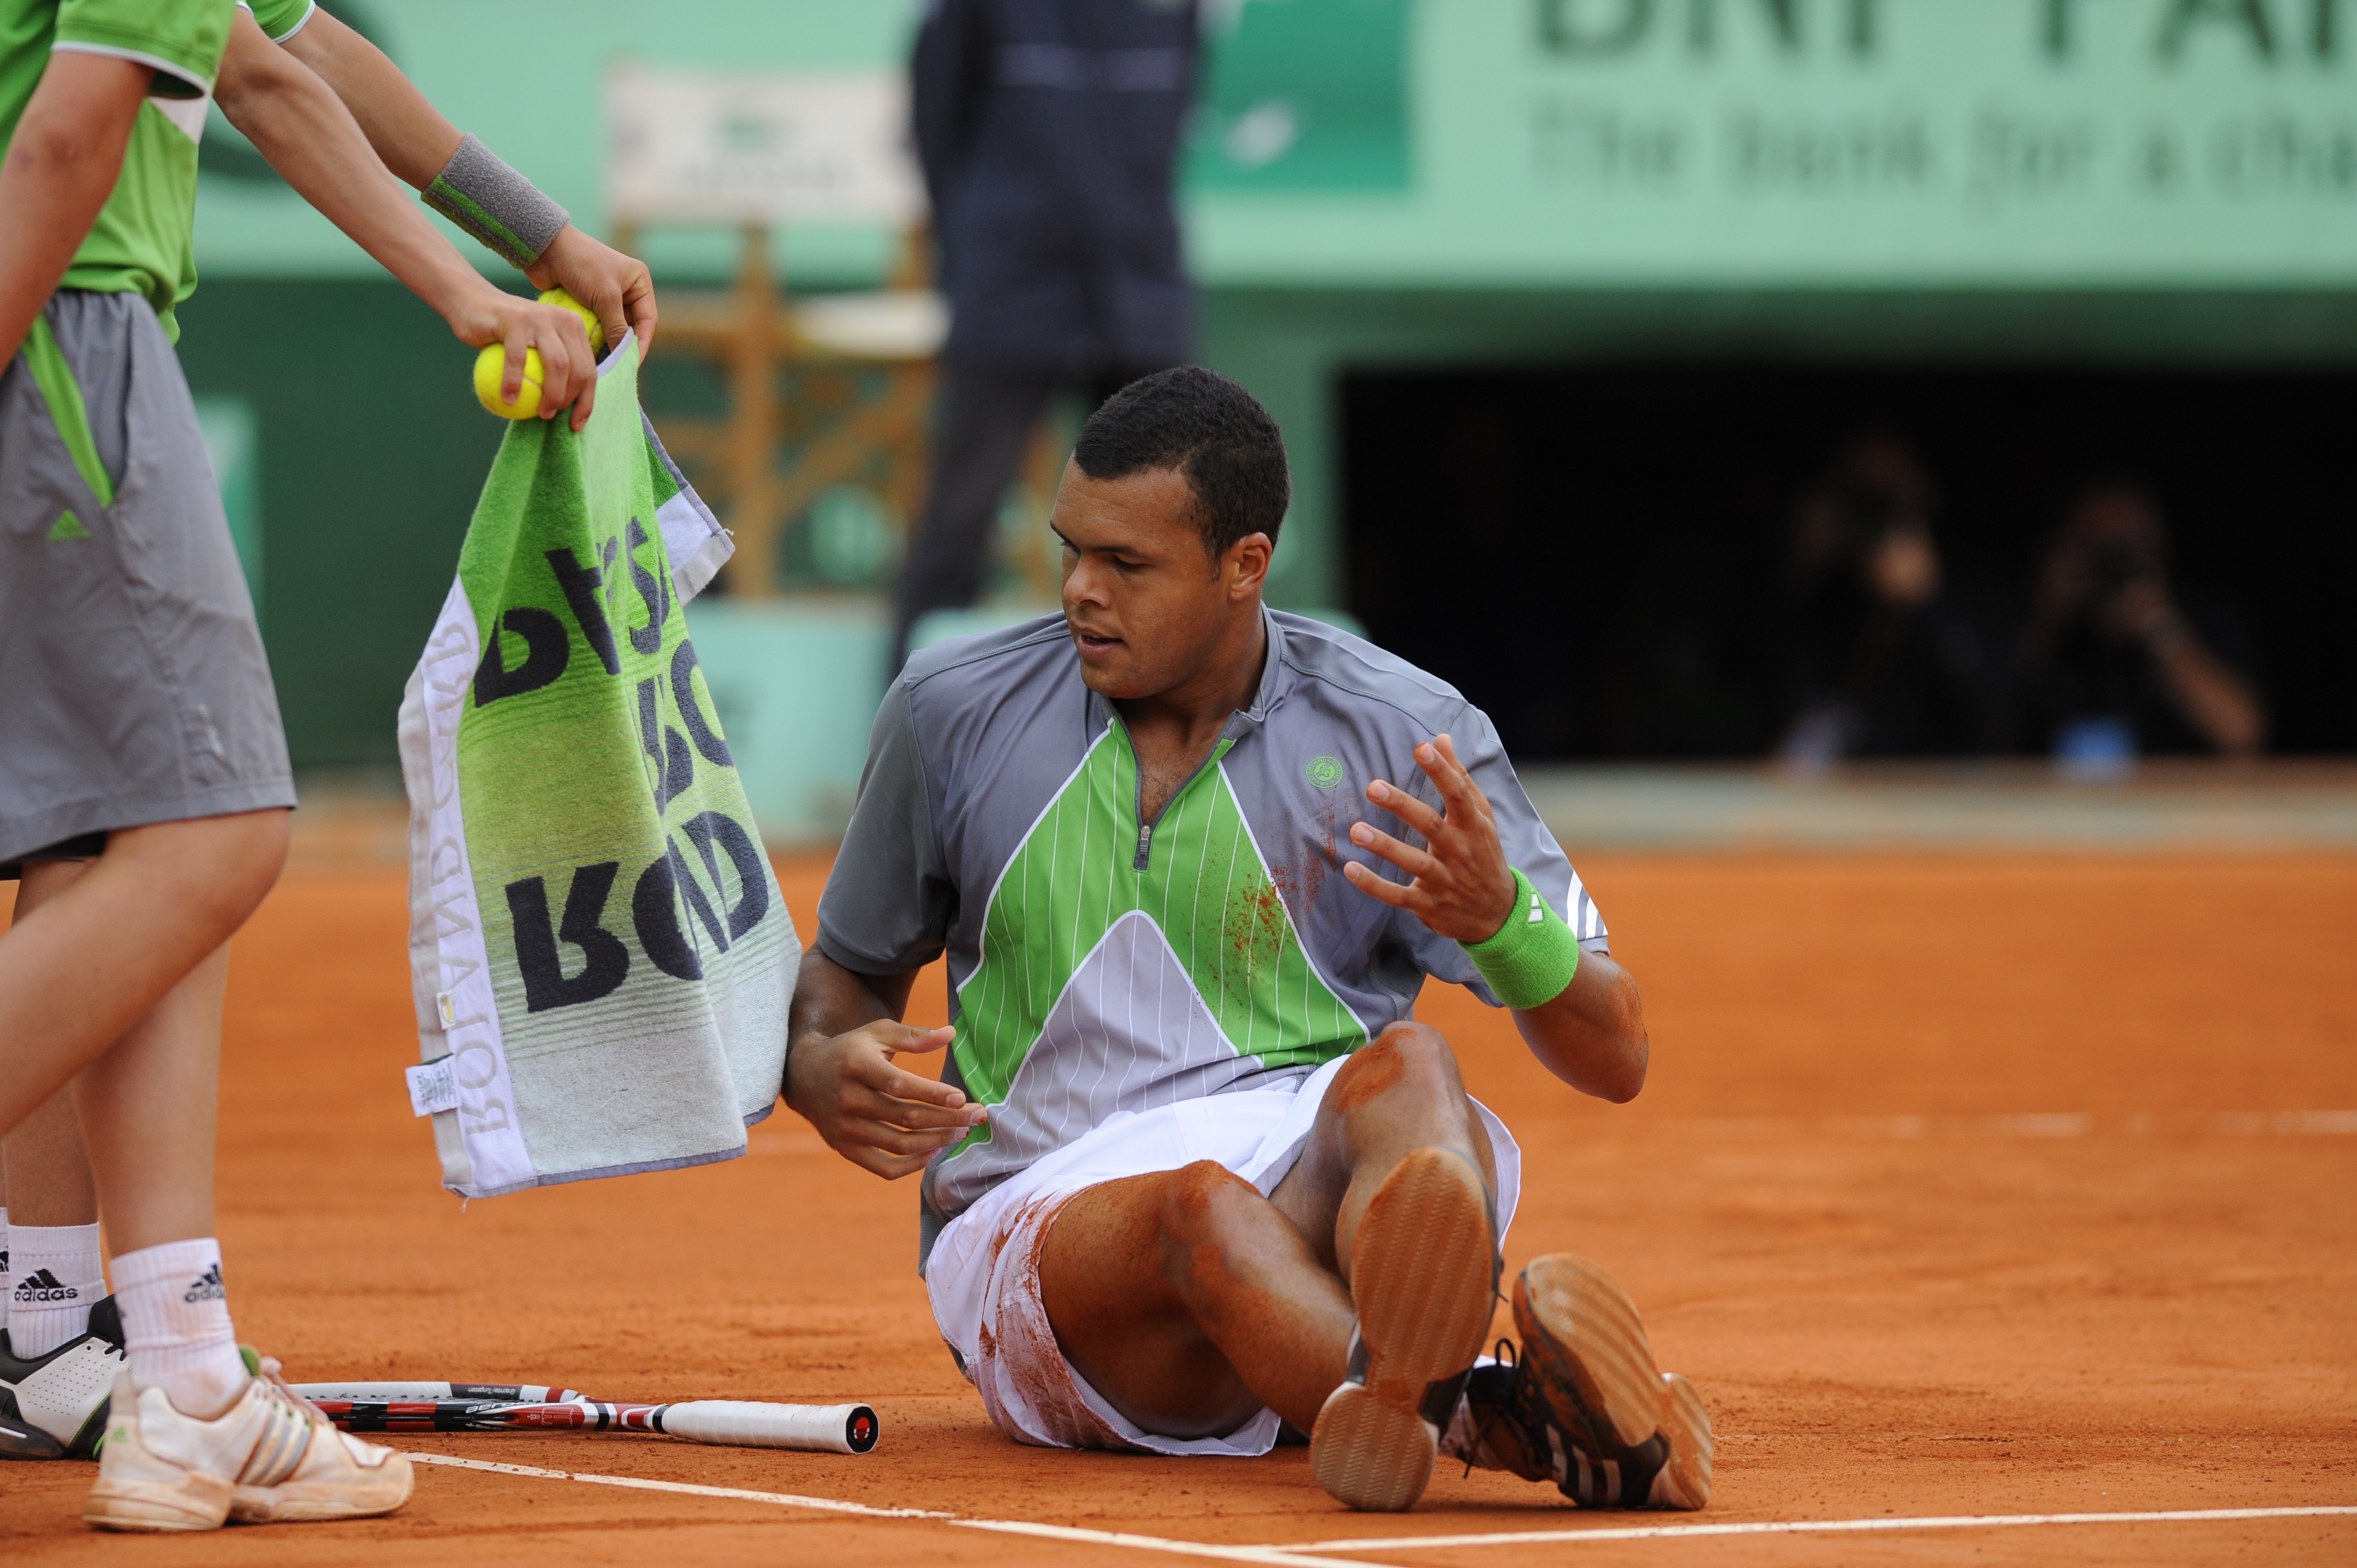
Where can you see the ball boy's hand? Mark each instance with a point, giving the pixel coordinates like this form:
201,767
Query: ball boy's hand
617,288
879,1117
568,368
1463,888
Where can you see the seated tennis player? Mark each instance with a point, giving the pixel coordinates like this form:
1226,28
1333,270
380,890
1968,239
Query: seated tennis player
1196,1175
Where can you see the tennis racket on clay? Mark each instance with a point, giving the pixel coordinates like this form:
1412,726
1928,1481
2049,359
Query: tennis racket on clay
532,1407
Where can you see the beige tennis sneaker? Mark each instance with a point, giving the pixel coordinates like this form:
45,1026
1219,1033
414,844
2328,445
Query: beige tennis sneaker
270,1456
1424,1271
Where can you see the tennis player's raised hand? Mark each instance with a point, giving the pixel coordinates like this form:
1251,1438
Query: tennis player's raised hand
1463,888
880,1117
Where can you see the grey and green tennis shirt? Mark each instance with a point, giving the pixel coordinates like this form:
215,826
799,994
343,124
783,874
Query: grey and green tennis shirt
1101,963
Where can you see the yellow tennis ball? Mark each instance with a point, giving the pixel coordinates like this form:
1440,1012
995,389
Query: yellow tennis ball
588,317
489,367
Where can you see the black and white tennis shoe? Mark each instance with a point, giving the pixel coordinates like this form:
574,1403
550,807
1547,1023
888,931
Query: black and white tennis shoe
1583,1404
54,1406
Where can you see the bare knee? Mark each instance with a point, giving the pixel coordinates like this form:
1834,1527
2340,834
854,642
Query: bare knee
1204,1200
1408,1057
249,851
221,867
1403,1085
1206,1209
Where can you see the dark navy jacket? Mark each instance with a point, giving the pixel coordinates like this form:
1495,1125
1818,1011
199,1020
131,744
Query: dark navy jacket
1048,131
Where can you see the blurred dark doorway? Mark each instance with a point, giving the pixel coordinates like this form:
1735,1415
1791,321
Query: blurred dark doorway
1601,557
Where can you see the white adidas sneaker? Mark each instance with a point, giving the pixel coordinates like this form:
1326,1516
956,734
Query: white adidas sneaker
270,1456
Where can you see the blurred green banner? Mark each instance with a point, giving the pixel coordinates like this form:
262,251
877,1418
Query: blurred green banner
1782,142
1451,143
1304,95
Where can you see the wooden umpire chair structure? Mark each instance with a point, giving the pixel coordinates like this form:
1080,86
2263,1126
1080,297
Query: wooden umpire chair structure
844,383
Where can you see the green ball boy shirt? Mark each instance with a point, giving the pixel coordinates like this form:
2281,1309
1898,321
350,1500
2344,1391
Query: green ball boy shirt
143,239
281,19
1100,963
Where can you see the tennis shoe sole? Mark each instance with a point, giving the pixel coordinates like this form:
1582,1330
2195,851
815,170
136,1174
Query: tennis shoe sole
1584,1340
1424,1269
1685,1482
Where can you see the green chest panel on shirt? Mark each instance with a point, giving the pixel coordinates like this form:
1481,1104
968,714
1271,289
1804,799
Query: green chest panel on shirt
1204,885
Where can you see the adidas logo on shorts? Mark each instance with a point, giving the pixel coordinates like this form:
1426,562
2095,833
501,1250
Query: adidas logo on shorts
206,1286
41,1287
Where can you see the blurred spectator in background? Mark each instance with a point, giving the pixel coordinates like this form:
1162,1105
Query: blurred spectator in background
1049,133
2113,666
1883,665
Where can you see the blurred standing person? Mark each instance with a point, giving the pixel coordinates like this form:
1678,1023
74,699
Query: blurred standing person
2115,666
1884,665
1048,131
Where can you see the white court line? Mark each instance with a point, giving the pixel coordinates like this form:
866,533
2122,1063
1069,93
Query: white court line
2032,1125
1276,1556
1281,1554
1269,1556
785,1499
1817,1527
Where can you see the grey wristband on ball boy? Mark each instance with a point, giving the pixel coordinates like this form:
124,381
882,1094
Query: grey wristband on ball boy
495,204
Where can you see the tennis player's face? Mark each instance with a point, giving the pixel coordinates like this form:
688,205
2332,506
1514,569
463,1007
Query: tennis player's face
1150,611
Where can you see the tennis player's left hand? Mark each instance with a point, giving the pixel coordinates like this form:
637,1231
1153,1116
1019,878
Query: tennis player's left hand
1463,888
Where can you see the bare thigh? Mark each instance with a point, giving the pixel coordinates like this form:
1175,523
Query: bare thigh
1189,1301
1124,1276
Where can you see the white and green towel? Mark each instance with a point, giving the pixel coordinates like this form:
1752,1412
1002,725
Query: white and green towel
601,955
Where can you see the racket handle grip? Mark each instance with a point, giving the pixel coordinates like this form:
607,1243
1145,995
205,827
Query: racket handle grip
745,1423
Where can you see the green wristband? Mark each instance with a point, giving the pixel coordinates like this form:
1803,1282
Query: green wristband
1534,955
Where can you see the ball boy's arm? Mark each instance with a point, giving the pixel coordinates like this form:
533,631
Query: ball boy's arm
416,142
61,166
1591,1033
407,131
842,1037
310,138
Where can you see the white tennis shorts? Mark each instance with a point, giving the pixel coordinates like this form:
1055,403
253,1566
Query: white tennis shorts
984,1275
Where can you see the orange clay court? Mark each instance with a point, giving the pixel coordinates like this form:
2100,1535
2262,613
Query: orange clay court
1990,1185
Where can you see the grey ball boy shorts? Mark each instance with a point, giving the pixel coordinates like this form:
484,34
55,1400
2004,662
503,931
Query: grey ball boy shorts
133,684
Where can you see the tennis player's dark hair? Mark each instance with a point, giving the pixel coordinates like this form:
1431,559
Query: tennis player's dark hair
1209,429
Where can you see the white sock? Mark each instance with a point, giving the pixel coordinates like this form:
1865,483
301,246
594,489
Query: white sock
175,1325
60,1277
